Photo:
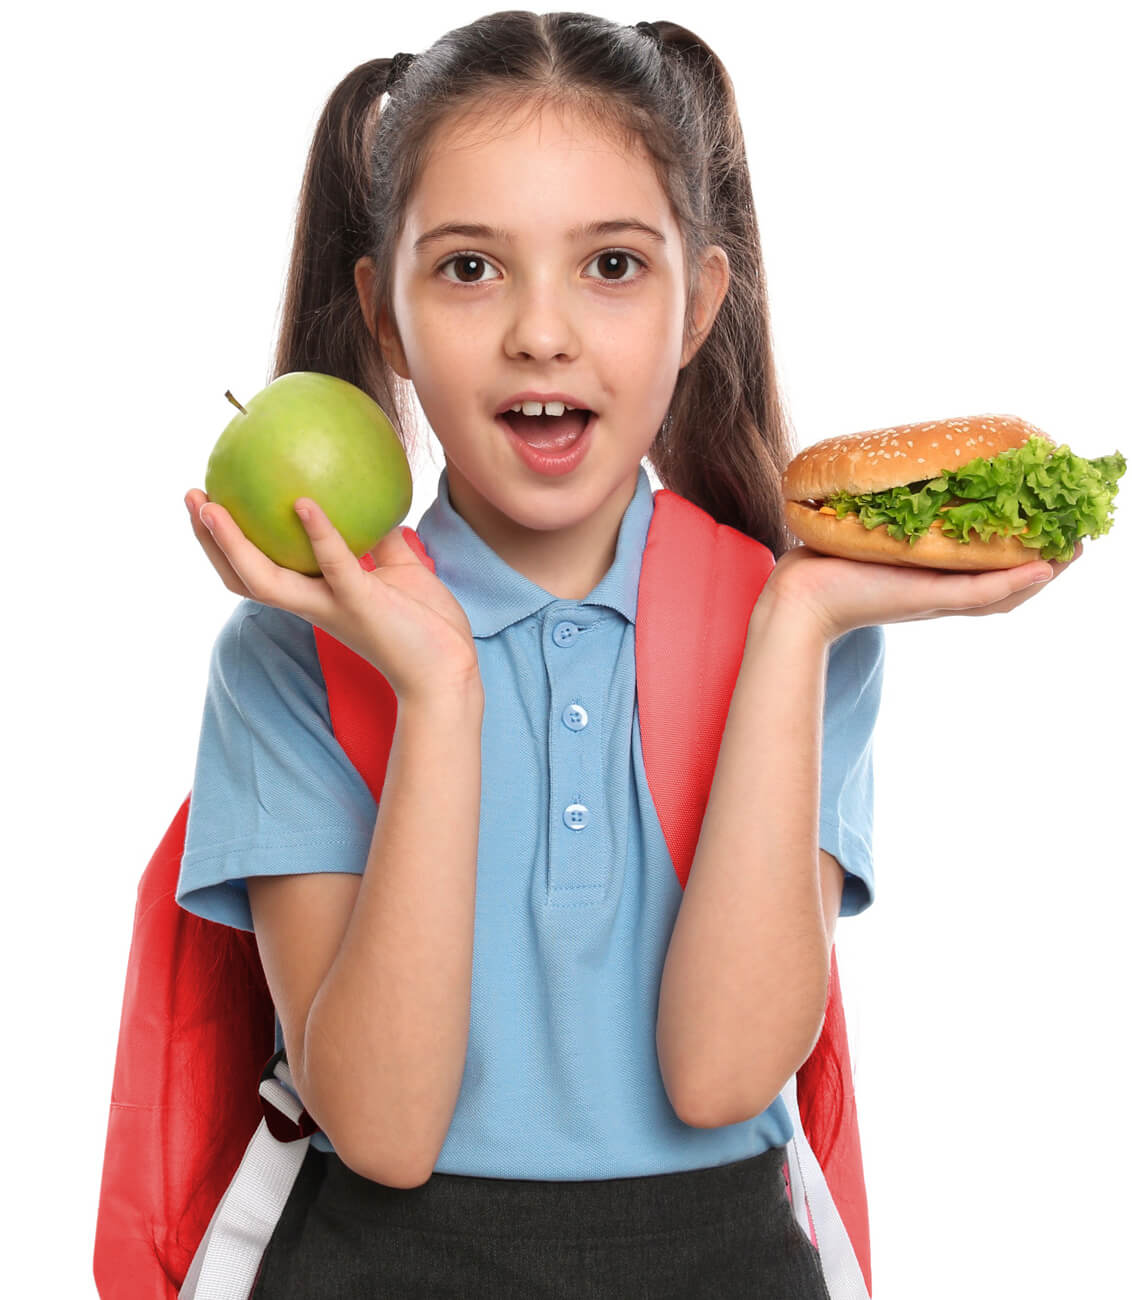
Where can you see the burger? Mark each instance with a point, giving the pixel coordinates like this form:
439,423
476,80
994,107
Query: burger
983,492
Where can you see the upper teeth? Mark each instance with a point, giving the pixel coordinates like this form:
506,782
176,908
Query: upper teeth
541,408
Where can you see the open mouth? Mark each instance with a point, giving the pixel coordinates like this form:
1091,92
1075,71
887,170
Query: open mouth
550,445
548,432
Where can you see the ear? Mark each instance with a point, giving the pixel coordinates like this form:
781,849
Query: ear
378,322
711,289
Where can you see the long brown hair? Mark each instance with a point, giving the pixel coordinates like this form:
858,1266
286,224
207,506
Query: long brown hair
726,437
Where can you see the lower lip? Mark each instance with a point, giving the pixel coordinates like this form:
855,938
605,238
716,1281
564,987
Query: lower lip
550,461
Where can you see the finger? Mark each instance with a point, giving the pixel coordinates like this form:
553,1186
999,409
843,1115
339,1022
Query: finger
262,578
338,563
997,590
219,561
1044,573
1058,567
977,591
1055,567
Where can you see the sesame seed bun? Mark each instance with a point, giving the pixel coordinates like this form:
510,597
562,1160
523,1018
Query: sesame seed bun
887,458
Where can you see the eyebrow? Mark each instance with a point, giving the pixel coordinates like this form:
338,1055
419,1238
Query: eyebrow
470,230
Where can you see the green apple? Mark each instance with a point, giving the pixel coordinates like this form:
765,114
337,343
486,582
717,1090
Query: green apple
310,435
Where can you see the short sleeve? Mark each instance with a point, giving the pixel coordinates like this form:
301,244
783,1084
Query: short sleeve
852,701
273,792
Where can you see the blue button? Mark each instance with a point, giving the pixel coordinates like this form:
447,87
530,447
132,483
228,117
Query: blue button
564,633
576,816
575,717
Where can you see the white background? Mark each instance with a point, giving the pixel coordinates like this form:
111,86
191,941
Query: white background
943,198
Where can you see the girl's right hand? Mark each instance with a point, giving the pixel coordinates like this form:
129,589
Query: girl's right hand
400,617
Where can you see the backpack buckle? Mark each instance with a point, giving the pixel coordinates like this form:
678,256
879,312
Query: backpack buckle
287,1119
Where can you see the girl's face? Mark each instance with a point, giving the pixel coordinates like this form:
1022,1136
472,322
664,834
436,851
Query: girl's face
533,303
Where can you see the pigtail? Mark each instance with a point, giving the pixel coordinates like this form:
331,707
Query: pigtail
322,327
727,437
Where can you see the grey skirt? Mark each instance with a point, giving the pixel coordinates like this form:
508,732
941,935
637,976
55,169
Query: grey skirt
724,1232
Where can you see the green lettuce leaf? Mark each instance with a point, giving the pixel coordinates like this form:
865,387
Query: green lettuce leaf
1046,496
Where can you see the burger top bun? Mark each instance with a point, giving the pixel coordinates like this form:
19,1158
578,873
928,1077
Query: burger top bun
887,458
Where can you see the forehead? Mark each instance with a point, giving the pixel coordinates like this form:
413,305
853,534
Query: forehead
510,162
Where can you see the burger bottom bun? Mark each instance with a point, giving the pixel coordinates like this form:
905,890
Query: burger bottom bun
850,539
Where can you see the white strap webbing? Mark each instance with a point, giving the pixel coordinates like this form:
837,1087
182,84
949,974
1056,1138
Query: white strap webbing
225,1264
843,1276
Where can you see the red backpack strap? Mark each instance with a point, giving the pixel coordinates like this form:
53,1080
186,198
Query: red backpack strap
699,583
197,1024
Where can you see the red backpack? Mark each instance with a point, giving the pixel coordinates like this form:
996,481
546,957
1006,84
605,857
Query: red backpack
198,1022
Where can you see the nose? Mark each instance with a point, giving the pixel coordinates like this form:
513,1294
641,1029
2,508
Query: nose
542,325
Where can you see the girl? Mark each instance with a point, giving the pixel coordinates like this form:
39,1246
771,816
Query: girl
538,1067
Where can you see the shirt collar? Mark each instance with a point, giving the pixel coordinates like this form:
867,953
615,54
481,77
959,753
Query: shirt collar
494,595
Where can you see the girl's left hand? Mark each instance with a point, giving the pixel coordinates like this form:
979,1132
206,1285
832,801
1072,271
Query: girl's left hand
844,594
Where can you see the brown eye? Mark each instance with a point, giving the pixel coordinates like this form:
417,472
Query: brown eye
469,267
615,262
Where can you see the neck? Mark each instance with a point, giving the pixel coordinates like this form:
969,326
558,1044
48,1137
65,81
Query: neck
566,562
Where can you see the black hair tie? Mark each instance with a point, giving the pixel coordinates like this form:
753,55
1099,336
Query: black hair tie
398,66
649,29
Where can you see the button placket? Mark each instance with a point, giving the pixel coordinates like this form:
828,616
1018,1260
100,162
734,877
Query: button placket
578,861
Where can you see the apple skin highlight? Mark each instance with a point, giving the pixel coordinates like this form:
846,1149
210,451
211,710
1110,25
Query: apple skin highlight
310,435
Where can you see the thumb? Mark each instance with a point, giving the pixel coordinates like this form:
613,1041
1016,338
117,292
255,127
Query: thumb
399,546
417,546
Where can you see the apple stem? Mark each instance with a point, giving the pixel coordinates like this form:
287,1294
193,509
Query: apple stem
236,404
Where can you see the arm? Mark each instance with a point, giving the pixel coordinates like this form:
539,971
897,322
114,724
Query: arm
745,979
372,979
375,1008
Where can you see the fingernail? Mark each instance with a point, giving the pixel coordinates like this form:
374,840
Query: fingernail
206,519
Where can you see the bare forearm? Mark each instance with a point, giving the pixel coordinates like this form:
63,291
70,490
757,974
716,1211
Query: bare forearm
746,974
387,1033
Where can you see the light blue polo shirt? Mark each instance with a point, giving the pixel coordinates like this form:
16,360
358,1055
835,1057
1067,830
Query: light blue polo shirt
576,895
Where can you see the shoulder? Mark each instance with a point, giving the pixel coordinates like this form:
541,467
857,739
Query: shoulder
684,537
259,645
251,623
675,513
254,630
